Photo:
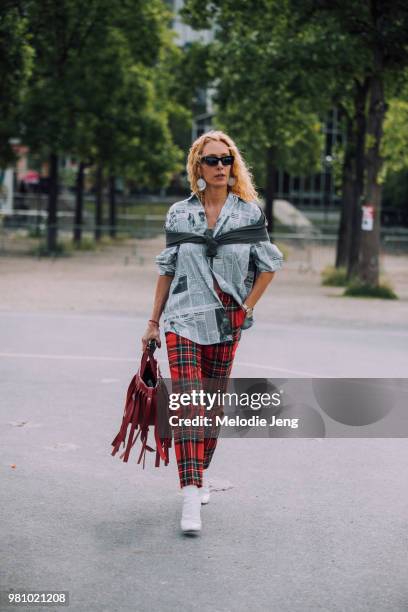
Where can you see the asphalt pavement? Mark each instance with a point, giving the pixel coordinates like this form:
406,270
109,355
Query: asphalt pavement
294,525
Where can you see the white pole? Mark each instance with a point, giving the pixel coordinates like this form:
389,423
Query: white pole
6,190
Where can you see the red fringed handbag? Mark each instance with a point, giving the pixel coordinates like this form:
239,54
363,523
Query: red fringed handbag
147,404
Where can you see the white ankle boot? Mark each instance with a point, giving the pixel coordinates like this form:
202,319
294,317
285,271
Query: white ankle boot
205,489
190,518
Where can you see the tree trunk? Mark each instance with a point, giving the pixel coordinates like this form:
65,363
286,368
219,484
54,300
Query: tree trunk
112,206
360,102
52,230
369,267
79,203
98,202
270,190
347,190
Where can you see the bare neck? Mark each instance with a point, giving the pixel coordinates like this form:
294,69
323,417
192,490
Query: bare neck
214,197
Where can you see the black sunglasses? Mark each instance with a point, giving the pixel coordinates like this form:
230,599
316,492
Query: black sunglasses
212,160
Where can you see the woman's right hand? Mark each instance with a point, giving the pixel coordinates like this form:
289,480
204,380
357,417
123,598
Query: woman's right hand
152,333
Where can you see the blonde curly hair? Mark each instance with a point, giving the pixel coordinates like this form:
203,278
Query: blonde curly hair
243,187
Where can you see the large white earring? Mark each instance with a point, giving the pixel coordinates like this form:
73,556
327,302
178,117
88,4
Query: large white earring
201,184
231,181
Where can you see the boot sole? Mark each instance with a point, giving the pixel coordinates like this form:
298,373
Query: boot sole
191,532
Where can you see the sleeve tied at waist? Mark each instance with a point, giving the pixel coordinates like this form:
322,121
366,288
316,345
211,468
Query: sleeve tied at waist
253,233
211,242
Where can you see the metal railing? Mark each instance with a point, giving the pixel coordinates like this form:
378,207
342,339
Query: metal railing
24,232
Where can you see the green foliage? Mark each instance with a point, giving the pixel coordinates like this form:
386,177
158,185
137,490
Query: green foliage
356,288
15,66
274,75
395,189
181,73
62,249
68,177
395,146
90,244
66,247
86,244
334,277
97,89
35,232
395,141
109,241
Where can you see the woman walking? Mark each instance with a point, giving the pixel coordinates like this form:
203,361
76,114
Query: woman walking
217,264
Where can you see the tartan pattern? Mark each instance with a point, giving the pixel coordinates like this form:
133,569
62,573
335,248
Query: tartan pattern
190,365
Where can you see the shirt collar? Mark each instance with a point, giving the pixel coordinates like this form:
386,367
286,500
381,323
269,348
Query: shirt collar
230,200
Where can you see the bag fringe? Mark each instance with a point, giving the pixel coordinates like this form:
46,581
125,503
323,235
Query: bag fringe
139,405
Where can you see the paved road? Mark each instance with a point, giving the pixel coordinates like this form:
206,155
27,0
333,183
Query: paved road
301,525
271,350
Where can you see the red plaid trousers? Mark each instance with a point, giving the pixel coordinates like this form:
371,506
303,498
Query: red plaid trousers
193,366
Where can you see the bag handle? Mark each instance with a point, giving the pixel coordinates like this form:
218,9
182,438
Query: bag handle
152,345
148,354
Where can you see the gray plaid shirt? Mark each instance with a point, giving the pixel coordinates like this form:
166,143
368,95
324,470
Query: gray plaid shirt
193,309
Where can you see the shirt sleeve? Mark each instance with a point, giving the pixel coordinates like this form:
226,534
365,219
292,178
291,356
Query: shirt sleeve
167,259
266,256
